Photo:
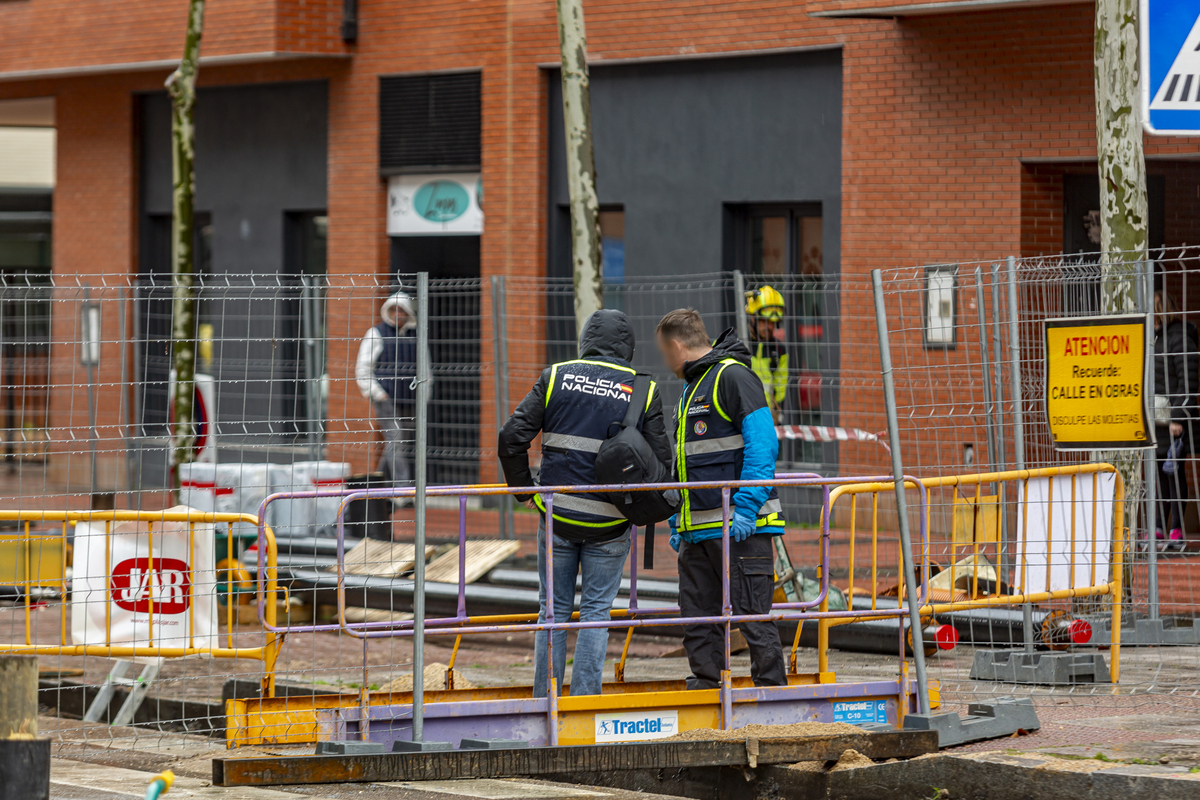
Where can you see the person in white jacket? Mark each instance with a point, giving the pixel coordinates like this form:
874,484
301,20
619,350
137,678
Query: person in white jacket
384,371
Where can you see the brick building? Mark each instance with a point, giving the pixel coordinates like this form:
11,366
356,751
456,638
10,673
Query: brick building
860,133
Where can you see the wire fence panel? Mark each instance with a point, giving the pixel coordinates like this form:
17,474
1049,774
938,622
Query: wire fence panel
955,357
287,402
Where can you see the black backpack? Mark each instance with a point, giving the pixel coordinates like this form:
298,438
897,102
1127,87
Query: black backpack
625,457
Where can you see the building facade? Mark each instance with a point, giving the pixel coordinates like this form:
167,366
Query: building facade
814,137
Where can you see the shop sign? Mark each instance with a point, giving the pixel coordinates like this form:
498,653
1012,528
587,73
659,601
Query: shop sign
437,204
1095,383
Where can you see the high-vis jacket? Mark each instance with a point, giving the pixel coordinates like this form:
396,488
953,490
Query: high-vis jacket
724,432
573,404
770,364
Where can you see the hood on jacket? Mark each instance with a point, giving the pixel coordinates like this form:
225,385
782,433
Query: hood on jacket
607,334
402,301
727,345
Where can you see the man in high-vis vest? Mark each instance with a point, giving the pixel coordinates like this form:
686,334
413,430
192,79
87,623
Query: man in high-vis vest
769,358
573,404
724,432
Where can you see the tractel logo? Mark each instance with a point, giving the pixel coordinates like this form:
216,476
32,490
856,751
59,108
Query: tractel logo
134,585
600,388
633,726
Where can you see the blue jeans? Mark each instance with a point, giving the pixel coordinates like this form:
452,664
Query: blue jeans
603,564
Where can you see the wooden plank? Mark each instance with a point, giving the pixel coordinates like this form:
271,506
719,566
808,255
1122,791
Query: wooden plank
381,559
454,764
482,557
356,614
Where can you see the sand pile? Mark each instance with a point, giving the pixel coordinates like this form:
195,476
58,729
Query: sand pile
435,679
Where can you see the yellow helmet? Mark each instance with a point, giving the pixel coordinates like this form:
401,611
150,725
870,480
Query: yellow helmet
766,303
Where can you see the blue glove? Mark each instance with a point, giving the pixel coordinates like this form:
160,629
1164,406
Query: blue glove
675,540
742,527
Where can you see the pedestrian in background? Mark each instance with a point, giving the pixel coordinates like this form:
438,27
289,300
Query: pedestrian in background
1176,381
724,431
384,372
574,404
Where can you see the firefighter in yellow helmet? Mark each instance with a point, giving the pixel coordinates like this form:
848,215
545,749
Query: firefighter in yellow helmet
769,358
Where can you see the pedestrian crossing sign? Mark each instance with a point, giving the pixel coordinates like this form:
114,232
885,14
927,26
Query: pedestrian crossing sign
1170,66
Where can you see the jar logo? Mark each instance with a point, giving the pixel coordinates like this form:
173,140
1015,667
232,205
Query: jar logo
134,585
441,201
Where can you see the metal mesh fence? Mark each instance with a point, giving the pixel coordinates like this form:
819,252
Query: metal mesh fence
955,344
282,410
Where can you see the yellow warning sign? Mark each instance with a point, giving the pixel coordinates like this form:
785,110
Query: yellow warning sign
1095,383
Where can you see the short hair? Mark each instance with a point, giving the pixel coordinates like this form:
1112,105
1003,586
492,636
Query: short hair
685,326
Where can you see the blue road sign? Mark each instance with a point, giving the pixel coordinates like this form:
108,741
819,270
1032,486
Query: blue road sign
1170,34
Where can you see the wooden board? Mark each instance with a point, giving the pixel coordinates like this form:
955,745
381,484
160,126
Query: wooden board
454,764
355,614
482,557
382,559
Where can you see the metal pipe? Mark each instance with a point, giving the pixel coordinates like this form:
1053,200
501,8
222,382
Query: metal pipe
422,386
500,389
123,341
988,405
906,550
1014,353
998,382
739,304
1150,456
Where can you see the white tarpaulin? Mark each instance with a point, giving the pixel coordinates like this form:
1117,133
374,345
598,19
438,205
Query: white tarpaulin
1044,524
177,579
226,488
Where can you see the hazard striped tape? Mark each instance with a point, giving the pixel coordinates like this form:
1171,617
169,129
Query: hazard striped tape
821,433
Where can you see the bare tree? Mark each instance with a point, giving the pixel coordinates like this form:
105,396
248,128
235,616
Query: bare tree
1124,231
581,162
181,86
1124,225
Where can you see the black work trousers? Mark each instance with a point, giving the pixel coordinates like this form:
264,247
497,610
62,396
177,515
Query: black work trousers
751,585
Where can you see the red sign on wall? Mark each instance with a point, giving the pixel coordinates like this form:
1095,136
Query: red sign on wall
133,585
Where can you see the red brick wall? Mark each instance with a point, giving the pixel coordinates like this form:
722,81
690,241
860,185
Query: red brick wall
942,119
54,34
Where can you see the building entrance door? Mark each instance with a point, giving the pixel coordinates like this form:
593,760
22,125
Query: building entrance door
454,307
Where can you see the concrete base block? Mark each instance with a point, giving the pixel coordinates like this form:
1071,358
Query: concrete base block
349,748
492,744
420,747
1052,669
1148,633
1003,717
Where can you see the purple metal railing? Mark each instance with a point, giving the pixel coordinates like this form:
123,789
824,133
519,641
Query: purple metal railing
459,624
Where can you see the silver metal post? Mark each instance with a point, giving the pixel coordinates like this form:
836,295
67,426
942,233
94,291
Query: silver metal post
311,378
739,290
998,351
500,388
1014,353
90,361
422,380
1150,456
906,548
988,405
138,390
124,395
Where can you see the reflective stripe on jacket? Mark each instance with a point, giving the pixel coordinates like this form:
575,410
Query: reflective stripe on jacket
770,364
583,400
709,448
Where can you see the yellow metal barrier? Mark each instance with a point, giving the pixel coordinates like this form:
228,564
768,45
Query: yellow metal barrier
48,569
981,513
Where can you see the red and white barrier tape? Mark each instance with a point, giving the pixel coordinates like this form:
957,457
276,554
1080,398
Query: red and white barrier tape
820,433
